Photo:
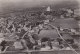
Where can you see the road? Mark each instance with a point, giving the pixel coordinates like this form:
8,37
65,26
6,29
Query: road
63,38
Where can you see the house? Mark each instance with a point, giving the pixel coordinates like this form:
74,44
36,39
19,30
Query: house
49,33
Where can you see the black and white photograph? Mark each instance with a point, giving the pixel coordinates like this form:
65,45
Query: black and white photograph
39,26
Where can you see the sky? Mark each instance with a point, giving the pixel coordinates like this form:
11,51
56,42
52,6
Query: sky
17,4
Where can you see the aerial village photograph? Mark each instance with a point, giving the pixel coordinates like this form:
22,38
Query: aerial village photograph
39,27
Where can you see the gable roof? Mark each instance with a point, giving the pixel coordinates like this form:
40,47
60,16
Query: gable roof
49,33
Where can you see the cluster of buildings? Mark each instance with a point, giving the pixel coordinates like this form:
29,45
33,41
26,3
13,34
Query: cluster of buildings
60,24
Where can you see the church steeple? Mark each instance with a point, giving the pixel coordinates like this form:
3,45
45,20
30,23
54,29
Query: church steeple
48,8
